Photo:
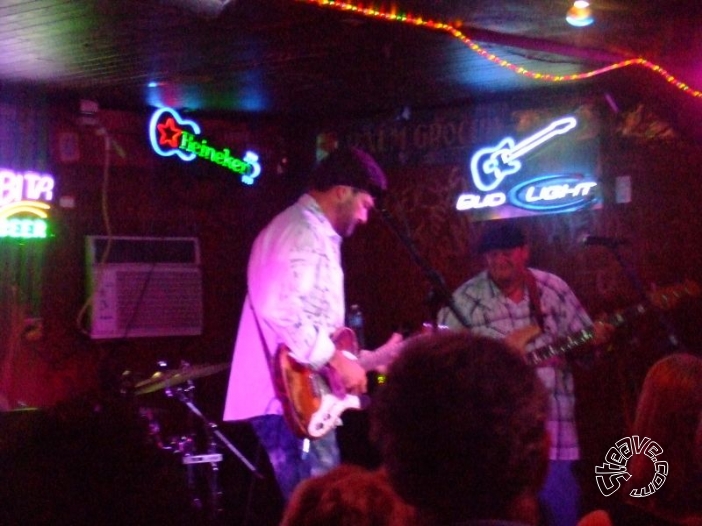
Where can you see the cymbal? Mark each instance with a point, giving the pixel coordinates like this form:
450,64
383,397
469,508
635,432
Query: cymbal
169,378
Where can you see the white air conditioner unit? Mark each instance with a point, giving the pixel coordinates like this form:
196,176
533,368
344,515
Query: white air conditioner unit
147,286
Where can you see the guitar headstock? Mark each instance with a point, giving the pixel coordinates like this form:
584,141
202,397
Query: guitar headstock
668,297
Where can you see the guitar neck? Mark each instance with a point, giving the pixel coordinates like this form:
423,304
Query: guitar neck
585,336
386,354
378,358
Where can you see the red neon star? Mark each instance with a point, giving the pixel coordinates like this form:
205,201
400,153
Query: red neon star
170,133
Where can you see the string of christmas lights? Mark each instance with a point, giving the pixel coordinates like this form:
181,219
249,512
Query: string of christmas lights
454,31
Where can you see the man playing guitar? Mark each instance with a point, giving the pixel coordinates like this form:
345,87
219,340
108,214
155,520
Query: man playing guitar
296,299
530,308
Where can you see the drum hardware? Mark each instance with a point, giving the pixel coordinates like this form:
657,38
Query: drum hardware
178,384
153,427
201,459
166,378
22,409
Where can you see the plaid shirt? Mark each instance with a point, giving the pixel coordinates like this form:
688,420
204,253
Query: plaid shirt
490,313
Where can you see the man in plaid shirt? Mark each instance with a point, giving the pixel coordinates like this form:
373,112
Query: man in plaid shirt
529,309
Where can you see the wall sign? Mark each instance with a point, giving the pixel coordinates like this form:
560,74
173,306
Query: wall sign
170,134
550,170
23,204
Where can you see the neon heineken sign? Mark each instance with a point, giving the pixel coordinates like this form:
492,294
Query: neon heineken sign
170,134
23,203
506,187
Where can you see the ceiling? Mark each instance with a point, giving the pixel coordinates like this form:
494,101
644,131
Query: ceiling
295,57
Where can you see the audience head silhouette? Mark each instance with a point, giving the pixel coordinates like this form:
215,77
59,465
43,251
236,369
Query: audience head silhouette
349,495
669,412
460,423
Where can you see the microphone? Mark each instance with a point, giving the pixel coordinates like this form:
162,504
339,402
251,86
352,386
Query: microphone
602,241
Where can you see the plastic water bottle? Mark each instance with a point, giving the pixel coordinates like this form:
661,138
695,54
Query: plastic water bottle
354,320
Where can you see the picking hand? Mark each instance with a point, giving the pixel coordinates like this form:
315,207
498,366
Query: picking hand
352,375
602,332
519,338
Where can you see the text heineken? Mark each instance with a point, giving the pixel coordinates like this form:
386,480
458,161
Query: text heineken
221,157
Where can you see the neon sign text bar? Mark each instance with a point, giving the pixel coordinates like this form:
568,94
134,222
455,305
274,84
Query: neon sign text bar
33,186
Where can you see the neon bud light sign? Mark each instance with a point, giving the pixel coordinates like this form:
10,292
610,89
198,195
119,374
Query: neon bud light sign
23,210
170,134
509,182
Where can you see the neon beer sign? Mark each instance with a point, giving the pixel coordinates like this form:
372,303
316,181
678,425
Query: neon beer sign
502,182
23,203
570,193
555,192
170,134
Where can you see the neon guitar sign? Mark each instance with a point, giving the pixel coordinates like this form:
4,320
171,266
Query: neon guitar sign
506,187
490,165
170,134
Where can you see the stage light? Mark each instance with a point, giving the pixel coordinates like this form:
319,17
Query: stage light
203,8
580,14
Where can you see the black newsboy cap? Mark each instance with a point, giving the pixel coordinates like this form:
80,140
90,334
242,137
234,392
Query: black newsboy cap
501,236
349,167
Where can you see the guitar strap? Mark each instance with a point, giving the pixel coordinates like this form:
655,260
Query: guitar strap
326,371
534,299
292,420
260,333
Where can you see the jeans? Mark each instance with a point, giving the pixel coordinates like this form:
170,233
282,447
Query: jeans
290,461
560,495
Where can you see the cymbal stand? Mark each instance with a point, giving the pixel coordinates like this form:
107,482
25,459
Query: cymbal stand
214,438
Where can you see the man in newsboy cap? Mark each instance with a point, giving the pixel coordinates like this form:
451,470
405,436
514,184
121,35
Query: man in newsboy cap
530,309
295,299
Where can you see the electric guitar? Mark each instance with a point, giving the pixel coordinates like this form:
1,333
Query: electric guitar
662,299
313,401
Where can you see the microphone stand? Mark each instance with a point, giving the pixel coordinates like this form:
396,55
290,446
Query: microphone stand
439,294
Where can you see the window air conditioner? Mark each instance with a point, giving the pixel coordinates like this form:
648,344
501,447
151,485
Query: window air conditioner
146,286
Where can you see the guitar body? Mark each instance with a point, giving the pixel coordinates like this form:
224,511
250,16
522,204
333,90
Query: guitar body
313,401
294,385
310,406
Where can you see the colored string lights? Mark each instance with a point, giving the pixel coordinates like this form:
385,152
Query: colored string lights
394,16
